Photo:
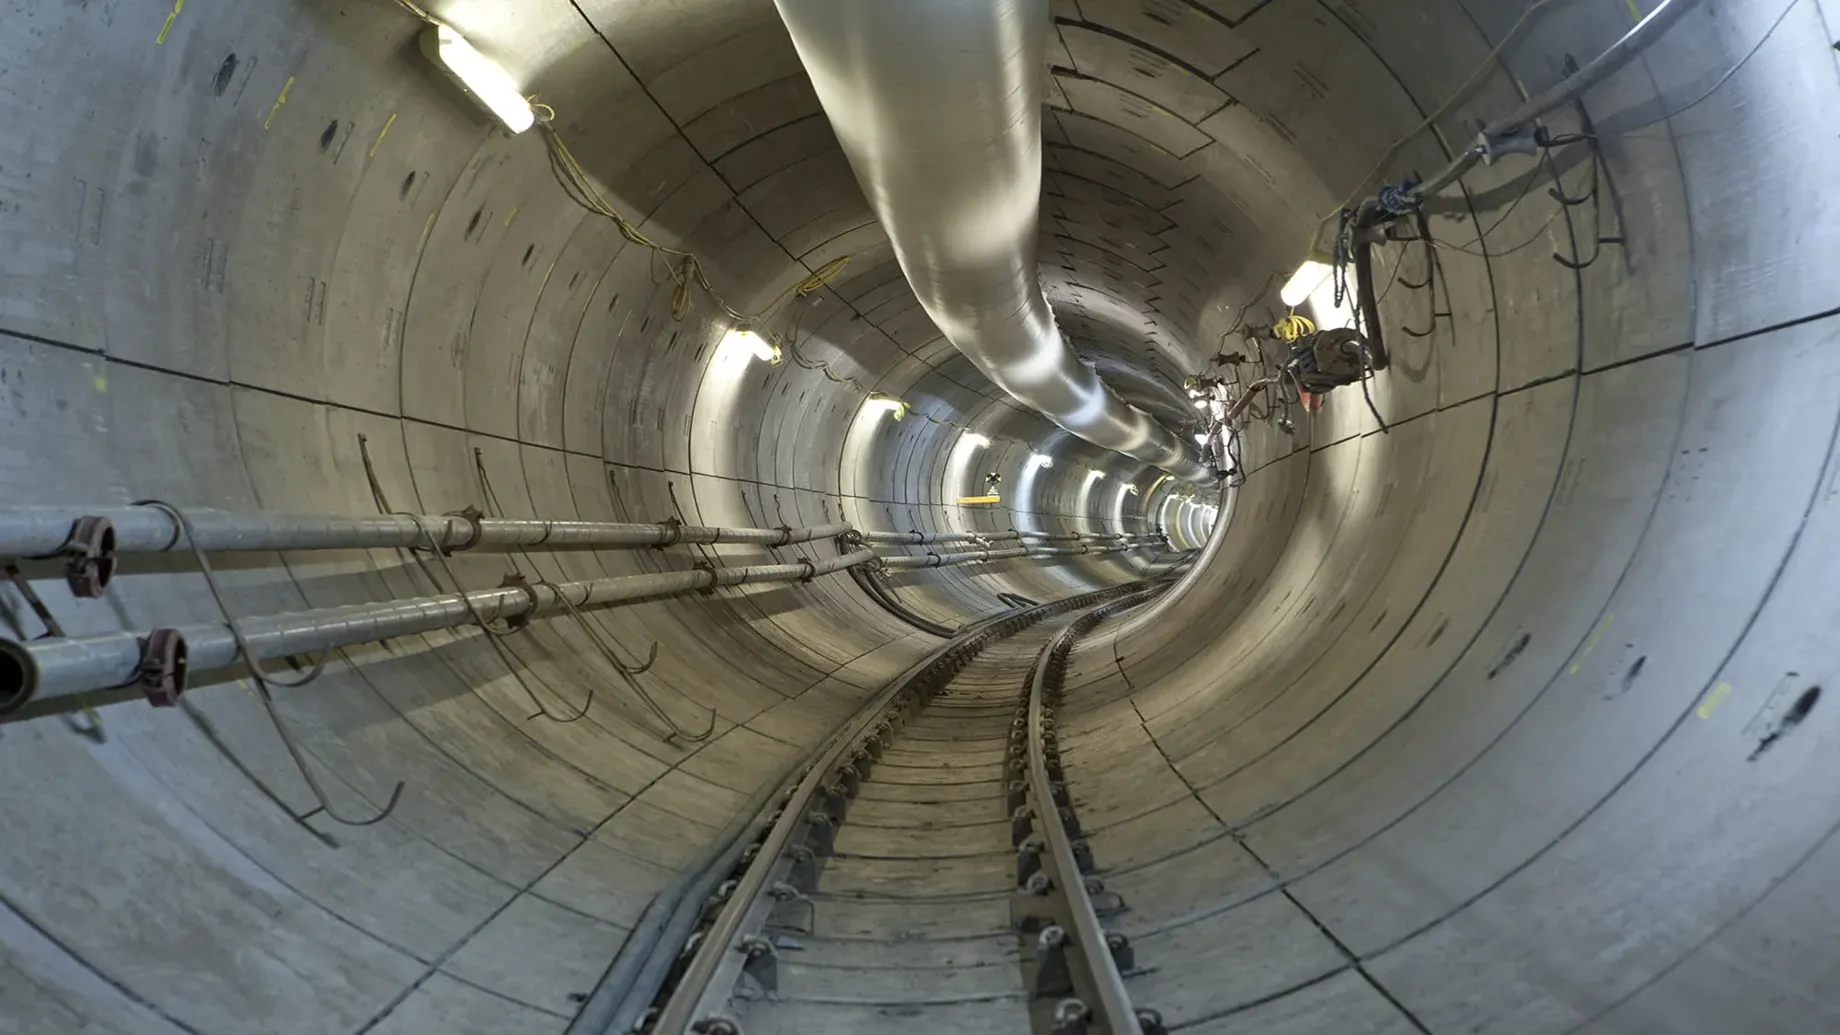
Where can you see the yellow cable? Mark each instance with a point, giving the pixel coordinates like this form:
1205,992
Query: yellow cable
1293,327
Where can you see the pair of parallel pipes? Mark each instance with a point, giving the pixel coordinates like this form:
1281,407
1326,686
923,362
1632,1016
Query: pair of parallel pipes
89,540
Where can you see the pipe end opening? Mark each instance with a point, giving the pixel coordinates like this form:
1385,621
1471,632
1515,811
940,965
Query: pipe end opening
18,675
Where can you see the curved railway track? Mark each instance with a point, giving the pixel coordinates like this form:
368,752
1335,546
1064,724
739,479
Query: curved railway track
908,883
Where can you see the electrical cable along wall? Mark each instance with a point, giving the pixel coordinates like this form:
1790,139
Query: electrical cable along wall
1557,644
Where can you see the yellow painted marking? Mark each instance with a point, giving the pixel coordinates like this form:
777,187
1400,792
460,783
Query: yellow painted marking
509,216
178,5
279,101
385,133
426,229
101,383
979,499
1714,697
1591,644
1634,11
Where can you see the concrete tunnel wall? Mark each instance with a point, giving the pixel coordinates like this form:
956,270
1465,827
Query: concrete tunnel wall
1461,727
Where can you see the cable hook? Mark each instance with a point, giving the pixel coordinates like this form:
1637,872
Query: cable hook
627,673
493,636
625,668
262,679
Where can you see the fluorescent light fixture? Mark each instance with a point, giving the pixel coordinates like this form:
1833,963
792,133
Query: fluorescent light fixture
747,343
1304,282
973,438
480,76
1041,460
879,404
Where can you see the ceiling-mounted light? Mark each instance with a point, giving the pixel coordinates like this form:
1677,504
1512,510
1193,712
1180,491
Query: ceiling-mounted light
1201,438
741,343
1304,282
878,404
1041,460
485,79
975,439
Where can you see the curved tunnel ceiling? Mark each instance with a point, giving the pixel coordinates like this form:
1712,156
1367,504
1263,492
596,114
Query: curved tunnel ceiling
1480,723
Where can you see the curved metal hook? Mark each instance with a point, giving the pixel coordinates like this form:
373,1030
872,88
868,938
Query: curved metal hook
651,658
493,636
263,679
626,672
670,488
618,501
1570,202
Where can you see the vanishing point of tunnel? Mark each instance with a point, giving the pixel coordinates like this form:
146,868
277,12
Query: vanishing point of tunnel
797,517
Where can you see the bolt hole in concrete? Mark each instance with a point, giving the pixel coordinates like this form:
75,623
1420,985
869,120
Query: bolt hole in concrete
473,223
326,138
225,72
1791,718
407,183
1635,670
1514,651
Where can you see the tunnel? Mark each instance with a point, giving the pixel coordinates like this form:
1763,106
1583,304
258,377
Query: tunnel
1485,696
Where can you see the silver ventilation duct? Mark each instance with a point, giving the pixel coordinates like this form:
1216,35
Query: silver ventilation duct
938,107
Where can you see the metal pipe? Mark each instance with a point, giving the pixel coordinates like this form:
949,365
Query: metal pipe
42,531
890,601
924,538
50,668
1600,68
930,538
946,560
1563,92
937,104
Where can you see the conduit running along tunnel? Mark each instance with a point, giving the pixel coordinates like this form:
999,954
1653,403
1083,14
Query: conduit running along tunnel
1506,719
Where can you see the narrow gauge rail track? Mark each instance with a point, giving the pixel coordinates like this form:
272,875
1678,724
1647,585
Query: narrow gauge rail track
909,882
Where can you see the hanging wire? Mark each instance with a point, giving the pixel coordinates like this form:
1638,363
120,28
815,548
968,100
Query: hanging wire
684,268
262,680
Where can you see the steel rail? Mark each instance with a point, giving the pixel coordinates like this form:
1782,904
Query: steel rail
1089,936
708,982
